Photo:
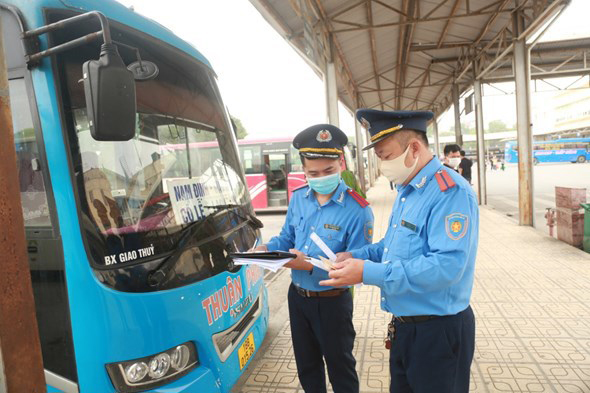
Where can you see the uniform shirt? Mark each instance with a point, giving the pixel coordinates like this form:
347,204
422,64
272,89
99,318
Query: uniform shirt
425,263
342,223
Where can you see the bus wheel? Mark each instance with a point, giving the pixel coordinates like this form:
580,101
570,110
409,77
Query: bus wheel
581,159
535,161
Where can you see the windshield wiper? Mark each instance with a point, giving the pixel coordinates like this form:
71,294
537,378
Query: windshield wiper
245,214
157,276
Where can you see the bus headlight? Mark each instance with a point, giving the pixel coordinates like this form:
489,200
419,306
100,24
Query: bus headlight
180,357
136,372
153,371
159,365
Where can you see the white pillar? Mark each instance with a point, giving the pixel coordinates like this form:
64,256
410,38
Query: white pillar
359,154
331,93
455,97
435,133
481,164
524,134
370,163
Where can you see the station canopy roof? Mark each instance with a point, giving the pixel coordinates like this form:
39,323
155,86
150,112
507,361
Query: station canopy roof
407,54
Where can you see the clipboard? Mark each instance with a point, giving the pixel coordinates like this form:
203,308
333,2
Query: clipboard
267,255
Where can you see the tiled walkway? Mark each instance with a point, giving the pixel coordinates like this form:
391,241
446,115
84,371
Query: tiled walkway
532,303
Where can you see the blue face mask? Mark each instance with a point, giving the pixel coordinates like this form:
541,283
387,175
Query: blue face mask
324,185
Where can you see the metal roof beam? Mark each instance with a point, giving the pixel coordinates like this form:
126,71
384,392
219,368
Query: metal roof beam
369,10
391,8
443,34
351,86
426,75
412,8
425,20
346,9
423,47
432,11
490,22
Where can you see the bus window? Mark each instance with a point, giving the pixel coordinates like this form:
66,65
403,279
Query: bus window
251,159
129,193
32,187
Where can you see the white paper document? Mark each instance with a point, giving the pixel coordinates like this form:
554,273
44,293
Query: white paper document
323,246
268,260
321,263
264,263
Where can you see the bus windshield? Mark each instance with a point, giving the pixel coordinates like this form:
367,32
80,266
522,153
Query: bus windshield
138,197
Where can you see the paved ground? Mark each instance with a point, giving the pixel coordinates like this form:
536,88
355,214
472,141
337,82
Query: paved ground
502,187
531,299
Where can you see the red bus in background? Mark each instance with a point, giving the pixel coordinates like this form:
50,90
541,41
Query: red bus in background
273,170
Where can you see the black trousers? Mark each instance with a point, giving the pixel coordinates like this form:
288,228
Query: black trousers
322,329
433,356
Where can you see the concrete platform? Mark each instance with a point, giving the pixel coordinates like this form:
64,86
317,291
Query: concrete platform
531,299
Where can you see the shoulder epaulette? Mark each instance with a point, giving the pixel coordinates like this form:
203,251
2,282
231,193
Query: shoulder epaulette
359,199
300,187
444,180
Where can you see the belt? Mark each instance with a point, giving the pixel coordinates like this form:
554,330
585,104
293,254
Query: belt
416,318
329,293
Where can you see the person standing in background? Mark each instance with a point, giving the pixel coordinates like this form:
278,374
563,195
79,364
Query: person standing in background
452,158
465,167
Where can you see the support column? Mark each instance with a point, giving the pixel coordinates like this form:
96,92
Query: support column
21,364
435,133
481,163
455,97
331,93
375,161
359,154
370,163
524,135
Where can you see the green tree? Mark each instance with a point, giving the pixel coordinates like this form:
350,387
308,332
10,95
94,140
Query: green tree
240,129
497,126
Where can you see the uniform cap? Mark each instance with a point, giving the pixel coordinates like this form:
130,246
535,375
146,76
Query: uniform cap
321,141
382,124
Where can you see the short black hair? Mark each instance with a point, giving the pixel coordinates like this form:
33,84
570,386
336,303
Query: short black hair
451,148
404,136
462,152
303,158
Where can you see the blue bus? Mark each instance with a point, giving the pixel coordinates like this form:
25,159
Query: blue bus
128,233
558,150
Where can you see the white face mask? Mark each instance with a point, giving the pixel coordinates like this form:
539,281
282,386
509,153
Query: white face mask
395,170
454,162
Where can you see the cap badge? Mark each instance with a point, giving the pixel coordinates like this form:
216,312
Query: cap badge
324,136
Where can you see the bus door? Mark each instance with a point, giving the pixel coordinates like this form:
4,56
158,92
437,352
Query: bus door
275,169
253,167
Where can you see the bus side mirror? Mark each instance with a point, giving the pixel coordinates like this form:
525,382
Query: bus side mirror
109,88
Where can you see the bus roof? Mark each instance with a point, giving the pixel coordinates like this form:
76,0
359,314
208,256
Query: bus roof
563,140
33,13
260,141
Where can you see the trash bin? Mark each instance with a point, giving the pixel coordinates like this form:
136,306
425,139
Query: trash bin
586,242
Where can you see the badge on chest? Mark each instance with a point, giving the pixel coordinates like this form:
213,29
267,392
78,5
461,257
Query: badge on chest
332,227
409,225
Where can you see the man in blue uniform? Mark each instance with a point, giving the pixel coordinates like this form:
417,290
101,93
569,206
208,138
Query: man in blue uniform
425,263
320,316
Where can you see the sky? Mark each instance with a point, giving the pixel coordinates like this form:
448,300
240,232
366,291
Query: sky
270,88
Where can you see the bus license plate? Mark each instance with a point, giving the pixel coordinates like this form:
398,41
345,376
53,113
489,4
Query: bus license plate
246,351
